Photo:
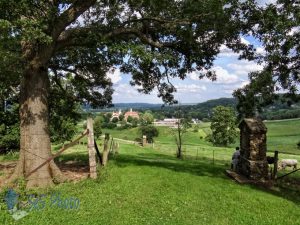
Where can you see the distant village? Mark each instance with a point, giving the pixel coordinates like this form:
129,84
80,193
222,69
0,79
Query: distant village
170,122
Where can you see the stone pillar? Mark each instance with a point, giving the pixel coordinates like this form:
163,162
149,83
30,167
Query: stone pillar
253,159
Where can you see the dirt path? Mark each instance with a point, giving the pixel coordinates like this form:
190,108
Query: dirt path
74,171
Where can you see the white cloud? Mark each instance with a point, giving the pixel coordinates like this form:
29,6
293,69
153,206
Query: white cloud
244,83
227,52
194,75
125,93
223,76
115,75
260,50
244,41
244,67
264,2
125,90
230,88
189,88
294,30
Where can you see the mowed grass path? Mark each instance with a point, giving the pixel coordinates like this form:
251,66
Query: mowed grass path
146,186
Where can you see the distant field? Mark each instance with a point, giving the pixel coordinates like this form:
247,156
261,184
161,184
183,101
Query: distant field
282,135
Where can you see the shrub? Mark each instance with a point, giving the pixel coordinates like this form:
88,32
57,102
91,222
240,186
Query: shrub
149,131
97,127
109,125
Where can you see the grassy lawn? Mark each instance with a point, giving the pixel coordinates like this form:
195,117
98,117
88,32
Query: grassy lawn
150,186
283,135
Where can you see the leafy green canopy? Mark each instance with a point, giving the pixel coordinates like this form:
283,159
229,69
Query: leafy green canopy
149,131
153,40
223,126
278,28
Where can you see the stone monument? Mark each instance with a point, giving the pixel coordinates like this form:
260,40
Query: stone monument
253,159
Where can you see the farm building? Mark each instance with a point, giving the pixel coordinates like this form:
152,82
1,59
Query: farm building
116,114
166,122
131,113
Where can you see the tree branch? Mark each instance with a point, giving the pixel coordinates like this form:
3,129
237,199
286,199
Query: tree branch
67,38
70,15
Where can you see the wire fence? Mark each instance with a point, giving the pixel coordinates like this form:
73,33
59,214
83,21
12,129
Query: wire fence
198,152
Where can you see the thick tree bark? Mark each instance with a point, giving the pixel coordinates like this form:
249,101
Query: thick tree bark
35,146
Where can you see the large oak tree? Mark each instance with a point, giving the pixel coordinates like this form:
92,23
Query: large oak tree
44,43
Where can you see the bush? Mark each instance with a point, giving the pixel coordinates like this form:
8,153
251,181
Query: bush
9,138
124,127
97,127
298,145
9,129
150,132
196,128
205,120
115,120
62,130
109,125
139,140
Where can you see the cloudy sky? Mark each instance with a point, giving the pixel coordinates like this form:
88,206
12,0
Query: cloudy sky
231,74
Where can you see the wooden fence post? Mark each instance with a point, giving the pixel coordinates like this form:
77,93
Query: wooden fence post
275,165
105,150
91,149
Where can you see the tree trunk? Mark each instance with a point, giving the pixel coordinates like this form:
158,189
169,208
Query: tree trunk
35,146
179,142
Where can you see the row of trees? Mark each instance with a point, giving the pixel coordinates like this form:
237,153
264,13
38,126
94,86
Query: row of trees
106,120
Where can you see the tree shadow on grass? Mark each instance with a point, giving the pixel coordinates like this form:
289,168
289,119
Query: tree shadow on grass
199,168
287,188
202,167
81,158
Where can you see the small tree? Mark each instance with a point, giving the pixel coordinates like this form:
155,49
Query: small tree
97,127
150,132
182,124
115,120
134,122
121,117
129,119
147,118
223,126
107,117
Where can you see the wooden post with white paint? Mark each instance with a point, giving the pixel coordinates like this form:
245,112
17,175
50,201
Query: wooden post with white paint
91,149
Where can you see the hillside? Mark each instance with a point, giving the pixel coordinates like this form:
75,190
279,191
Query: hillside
278,110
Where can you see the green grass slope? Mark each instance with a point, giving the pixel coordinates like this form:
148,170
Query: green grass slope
145,186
